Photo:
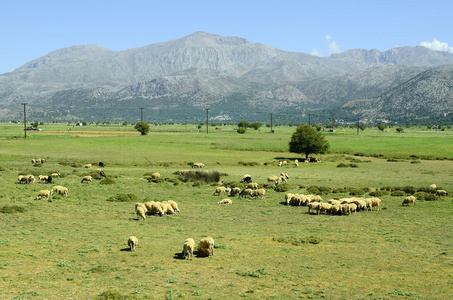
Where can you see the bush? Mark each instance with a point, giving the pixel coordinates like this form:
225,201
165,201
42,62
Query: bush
379,193
175,181
398,193
320,190
297,241
313,190
11,209
123,198
241,130
282,187
200,176
356,192
113,295
425,196
342,165
340,190
107,180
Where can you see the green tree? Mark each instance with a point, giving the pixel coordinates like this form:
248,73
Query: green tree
307,140
241,130
244,124
256,125
142,127
399,129
381,126
362,126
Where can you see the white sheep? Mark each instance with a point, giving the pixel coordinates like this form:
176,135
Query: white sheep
288,197
273,179
187,248
88,166
220,190
155,208
408,200
314,206
58,189
225,201
206,245
174,205
433,186
138,204
56,174
376,202
198,165
235,191
441,193
44,193
246,193
259,192
140,212
155,175
87,179
284,174
22,179
43,178
132,242
296,163
246,178
30,178
252,185
167,208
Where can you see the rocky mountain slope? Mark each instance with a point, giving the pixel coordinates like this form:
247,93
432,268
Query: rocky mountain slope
232,76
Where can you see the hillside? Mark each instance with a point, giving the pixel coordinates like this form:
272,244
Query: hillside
176,80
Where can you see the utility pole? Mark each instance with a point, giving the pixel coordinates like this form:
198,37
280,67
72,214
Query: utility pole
309,119
141,113
358,124
333,122
271,124
207,120
25,120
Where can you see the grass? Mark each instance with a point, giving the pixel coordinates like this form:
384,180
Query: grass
75,246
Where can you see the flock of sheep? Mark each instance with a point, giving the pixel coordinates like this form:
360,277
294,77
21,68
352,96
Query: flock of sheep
156,208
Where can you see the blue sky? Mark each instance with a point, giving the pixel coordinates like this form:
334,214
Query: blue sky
31,28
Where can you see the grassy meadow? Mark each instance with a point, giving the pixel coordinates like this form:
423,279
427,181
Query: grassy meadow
74,247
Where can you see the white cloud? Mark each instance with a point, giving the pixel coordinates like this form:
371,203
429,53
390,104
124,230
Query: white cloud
328,37
334,48
437,45
315,52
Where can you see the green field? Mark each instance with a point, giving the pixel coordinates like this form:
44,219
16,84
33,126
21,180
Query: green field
75,247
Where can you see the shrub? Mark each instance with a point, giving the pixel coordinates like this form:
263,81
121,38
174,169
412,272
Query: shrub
233,184
398,193
379,193
340,190
107,180
342,165
200,176
320,190
415,162
313,190
123,198
113,295
297,241
175,181
282,187
11,209
241,130
356,192
425,196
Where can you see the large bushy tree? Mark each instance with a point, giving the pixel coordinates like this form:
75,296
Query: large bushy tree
142,127
306,139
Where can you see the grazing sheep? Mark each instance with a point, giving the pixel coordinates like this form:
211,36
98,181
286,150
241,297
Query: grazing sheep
376,202
324,207
288,197
252,185
441,193
140,212
56,174
88,166
246,178
29,178
284,163
187,248
101,164
220,190
44,193
246,193
155,208
197,165
42,178
433,186
87,179
167,208
335,209
148,205
22,179
174,205
225,201
296,163
138,204
155,175
314,206
227,191
207,243
102,174
132,241
273,179
408,200
284,174
58,189
235,191
259,192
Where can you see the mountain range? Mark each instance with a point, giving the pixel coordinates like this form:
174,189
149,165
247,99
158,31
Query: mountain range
233,78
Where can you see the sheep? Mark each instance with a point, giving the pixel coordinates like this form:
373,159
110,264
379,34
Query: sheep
174,205
167,208
284,174
88,166
58,189
280,163
408,200
284,163
56,174
246,193
441,193
87,179
376,202
281,179
252,185
207,243
324,207
155,175
235,191
155,208
225,201
148,205
29,178
361,203
140,212
433,186
132,241
314,206
288,197
273,179
197,165
259,192
138,204
102,174
246,178
296,163
335,209
187,248
44,193
220,190
22,179
227,191
101,164
42,178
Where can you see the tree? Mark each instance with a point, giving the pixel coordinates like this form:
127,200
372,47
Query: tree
362,126
307,140
381,126
244,124
399,129
241,130
256,125
142,127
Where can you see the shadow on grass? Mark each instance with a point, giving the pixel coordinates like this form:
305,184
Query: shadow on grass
126,249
